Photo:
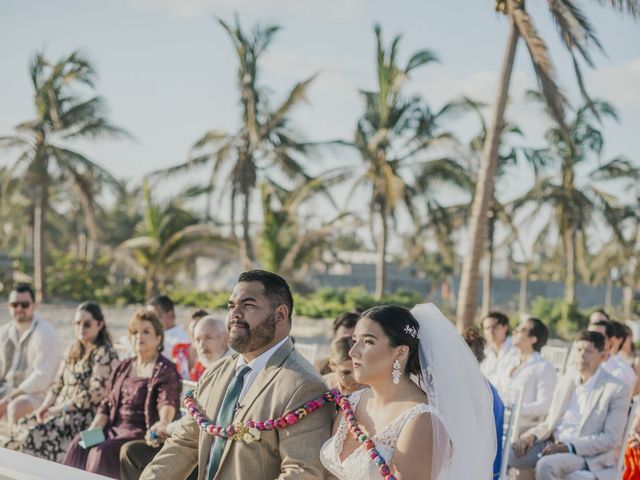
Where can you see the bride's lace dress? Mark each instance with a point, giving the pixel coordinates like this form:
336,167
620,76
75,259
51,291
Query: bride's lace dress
358,465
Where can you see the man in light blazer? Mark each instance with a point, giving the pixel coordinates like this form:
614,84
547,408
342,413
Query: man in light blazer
280,380
585,423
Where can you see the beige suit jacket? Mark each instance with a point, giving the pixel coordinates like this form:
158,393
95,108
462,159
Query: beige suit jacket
287,383
602,426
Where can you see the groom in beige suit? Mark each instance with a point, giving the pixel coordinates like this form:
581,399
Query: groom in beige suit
264,380
585,423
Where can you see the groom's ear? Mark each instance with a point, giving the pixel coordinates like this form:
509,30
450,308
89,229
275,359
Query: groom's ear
282,313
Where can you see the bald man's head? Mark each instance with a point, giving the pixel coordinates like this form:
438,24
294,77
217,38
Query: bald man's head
210,340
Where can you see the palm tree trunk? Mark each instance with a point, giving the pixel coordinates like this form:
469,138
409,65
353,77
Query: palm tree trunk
39,239
607,293
247,243
487,275
467,299
568,238
524,274
627,302
381,264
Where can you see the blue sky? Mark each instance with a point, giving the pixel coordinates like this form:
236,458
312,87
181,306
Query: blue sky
167,69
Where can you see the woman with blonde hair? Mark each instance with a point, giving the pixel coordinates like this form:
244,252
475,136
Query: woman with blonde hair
143,398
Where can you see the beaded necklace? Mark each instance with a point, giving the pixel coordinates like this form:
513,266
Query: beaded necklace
249,431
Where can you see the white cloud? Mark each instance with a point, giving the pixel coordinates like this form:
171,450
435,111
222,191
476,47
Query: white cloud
618,84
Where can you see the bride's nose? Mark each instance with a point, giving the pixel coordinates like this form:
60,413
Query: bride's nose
354,352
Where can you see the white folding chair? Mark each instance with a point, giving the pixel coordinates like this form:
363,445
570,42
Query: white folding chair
635,404
308,351
556,356
511,434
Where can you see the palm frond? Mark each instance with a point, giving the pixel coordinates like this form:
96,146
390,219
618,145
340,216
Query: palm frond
542,65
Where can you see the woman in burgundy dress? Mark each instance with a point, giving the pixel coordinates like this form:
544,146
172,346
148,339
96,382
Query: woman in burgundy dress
144,392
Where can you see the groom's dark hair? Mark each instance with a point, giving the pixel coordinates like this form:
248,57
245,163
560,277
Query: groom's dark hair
276,288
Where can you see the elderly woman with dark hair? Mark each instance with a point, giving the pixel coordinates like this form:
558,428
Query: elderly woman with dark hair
143,397
78,389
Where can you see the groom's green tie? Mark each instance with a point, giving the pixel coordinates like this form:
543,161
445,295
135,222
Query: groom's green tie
225,416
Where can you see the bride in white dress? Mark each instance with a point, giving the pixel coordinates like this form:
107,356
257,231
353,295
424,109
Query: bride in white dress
428,409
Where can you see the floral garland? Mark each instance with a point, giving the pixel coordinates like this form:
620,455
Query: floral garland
249,431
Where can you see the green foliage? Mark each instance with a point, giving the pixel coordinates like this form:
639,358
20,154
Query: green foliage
211,300
563,319
328,302
75,279
323,303
78,280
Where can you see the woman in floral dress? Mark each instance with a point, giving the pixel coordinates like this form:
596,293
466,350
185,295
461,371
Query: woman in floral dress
78,389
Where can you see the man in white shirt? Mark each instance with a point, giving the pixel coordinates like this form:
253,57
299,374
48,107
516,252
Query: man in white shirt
211,340
614,363
495,327
29,356
528,373
585,422
173,333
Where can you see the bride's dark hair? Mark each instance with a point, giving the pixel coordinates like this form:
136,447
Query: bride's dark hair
401,328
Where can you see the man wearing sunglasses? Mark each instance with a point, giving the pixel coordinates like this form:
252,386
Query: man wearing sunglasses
29,356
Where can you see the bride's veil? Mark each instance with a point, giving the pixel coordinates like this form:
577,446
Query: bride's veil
465,439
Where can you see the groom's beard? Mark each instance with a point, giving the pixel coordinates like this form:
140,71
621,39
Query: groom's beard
252,339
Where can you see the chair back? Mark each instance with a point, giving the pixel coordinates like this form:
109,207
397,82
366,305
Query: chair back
556,356
512,425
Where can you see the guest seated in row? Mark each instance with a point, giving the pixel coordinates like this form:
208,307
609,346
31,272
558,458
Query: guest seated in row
195,316
499,347
528,372
343,326
174,333
211,342
585,422
477,345
143,398
78,389
341,376
632,453
614,363
29,356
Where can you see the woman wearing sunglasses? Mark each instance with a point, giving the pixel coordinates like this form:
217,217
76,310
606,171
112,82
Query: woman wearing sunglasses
78,389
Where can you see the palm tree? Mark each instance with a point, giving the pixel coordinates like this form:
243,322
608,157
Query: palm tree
508,156
577,205
264,140
46,156
389,136
168,238
577,34
289,241
620,256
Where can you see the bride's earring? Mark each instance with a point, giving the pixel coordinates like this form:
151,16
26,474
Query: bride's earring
396,373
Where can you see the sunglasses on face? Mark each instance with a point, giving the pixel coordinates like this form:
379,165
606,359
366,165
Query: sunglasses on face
23,305
85,324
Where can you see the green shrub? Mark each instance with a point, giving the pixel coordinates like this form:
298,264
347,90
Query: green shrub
563,319
211,300
329,302
75,279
